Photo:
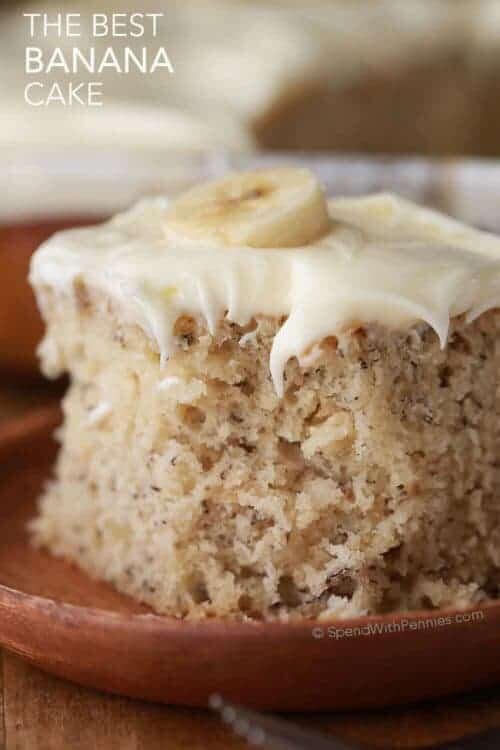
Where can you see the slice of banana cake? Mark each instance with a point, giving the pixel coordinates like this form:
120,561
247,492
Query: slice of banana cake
278,406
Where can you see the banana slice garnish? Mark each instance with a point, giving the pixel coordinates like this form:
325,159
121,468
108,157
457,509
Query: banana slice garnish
271,208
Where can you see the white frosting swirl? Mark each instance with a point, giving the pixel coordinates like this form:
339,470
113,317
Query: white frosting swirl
386,260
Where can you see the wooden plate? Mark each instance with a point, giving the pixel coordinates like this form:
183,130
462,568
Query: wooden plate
57,618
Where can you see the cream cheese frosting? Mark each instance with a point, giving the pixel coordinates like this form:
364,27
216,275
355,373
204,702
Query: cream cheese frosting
385,260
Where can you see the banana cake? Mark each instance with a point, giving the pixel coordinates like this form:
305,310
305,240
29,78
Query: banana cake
279,406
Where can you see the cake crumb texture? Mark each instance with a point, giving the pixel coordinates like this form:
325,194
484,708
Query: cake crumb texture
371,486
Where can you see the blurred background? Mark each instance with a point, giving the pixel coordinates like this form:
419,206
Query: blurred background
390,76
385,77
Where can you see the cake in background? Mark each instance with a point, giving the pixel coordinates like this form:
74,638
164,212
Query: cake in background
419,76
120,125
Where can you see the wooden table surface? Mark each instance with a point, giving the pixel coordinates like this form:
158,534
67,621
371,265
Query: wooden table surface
40,712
